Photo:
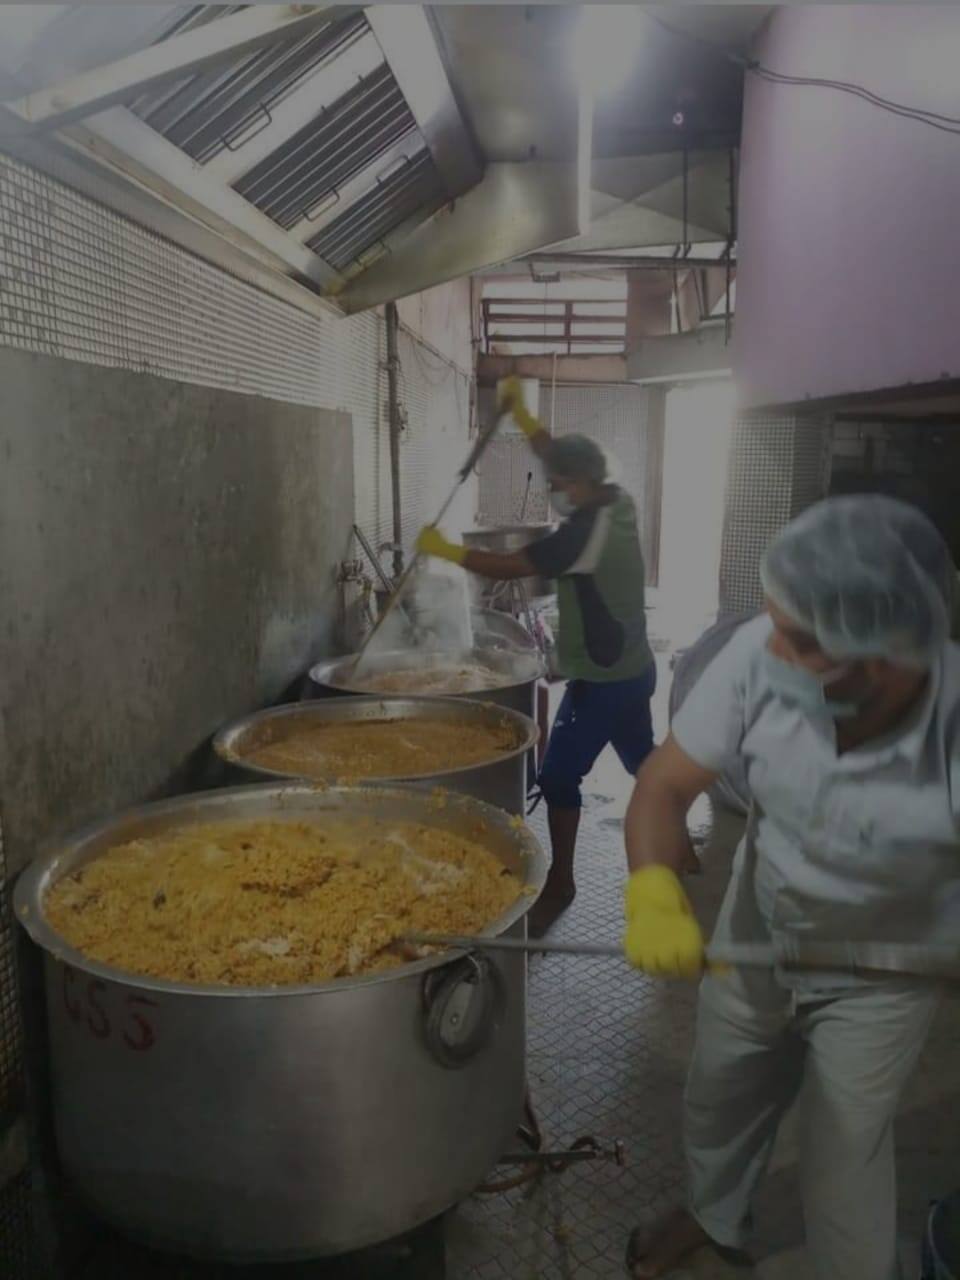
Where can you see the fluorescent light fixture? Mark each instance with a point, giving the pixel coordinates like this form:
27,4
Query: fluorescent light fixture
606,43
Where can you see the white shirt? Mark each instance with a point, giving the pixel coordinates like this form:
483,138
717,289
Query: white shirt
861,846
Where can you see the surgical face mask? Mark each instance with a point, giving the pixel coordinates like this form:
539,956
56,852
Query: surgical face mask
561,503
807,690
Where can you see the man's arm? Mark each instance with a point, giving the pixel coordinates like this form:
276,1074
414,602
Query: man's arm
499,565
510,400
655,828
489,564
540,441
551,556
662,935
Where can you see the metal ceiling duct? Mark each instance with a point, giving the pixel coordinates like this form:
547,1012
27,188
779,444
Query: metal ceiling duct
283,132
516,209
331,153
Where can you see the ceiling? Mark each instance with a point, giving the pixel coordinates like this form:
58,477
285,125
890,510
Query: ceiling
510,66
342,156
930,403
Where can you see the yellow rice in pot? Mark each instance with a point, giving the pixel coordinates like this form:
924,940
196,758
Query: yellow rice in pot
274,903
379,748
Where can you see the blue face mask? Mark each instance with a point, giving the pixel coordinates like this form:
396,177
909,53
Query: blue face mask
807,690
561,503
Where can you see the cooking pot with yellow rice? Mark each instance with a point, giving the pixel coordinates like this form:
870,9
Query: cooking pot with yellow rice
247,1064
474,748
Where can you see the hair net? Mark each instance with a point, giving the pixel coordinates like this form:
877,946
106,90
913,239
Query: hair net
577,458
868,576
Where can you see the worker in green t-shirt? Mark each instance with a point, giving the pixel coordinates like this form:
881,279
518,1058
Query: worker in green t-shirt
603,650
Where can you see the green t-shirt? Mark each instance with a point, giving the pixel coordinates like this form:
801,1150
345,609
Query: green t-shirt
596,558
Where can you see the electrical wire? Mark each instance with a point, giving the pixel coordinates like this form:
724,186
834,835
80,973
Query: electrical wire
945,124
437,376
445,367
935,120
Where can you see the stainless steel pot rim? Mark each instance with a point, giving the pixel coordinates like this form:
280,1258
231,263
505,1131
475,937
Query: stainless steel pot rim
488,530
40,874
226,742
329,671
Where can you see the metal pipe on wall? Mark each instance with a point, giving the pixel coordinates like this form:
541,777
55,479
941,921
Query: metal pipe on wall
633,262
395,420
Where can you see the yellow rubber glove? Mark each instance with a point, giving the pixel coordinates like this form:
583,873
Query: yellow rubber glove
662,935
510,400
431,542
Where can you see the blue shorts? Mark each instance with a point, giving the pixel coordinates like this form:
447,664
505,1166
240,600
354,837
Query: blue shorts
590,716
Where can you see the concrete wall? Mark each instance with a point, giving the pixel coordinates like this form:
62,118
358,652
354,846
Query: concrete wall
443,317
848,244
167,560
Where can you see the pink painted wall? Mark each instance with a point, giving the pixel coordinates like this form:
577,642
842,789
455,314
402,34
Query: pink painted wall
849,248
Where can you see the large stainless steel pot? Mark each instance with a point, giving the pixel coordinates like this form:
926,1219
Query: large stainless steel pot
501,780
270,1124
515,685
500,644
513,537
494,629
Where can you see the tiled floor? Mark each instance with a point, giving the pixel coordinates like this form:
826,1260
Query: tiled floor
607,1057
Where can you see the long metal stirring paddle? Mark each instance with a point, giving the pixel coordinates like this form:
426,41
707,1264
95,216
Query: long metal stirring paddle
483,439
906,960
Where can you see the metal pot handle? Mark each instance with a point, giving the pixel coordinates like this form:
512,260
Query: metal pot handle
461,1007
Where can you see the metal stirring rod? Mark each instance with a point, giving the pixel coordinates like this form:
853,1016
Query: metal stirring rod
472,459
463,942
759,956
934,962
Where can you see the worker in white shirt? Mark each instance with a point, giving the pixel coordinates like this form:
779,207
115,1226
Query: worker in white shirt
843,703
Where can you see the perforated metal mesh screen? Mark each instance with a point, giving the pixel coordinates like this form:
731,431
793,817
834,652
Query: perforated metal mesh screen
503,482
614,415
778,466
811,461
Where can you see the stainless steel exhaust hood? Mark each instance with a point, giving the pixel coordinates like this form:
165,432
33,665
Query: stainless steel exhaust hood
338,156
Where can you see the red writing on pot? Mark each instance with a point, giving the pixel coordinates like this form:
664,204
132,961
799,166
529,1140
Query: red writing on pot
105,1014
